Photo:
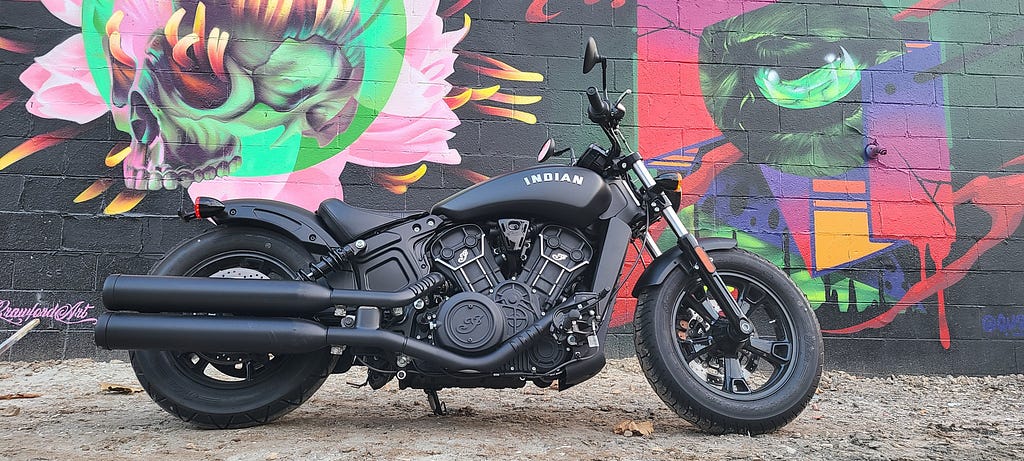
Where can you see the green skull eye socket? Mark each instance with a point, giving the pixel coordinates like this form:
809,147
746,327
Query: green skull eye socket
821,87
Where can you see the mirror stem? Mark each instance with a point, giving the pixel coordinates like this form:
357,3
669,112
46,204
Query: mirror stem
604,77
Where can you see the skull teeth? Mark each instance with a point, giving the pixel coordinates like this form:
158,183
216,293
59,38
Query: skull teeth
163,177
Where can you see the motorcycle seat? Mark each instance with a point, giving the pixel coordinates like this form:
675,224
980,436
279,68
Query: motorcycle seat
348,222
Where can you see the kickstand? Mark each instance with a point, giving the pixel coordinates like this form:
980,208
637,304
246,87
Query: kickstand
436,405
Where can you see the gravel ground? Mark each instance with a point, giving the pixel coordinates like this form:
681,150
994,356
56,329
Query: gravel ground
851,417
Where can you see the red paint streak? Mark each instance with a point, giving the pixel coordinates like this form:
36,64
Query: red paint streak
472,175
535,13
14,46
995,197
38,143
6,98
695,185
1014,162
923,9
458,6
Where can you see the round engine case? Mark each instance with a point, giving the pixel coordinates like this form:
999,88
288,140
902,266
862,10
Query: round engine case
469,322
518,306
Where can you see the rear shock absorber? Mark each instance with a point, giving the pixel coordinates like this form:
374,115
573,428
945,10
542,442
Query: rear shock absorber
333,260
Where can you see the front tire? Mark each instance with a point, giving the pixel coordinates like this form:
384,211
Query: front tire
223,390
751,388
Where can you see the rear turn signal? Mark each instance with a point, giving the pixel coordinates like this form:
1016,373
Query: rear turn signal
206,207
203,208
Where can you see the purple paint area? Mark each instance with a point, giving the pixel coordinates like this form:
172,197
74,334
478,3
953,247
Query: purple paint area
691,15
1004,325
910,187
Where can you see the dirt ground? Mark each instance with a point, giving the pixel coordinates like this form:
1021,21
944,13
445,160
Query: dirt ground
851,417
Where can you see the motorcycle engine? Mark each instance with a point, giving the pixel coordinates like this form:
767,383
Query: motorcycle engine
508,278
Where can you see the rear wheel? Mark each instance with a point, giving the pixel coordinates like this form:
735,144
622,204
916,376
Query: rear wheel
754,386
232,390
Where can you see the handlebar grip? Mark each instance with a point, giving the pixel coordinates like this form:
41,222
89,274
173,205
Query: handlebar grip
596,106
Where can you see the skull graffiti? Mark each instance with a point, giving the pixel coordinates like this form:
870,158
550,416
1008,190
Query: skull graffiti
216,74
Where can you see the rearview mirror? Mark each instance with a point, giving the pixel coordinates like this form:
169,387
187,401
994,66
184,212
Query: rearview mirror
590,56
547,151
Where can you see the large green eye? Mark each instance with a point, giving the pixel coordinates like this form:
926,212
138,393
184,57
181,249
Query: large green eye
820,87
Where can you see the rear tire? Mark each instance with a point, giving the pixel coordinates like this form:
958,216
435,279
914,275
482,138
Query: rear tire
757,389
218,390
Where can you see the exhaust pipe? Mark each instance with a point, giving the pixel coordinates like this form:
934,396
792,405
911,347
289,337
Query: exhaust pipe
157,294
291,336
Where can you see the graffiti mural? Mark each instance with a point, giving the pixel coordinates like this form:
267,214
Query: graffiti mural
115,112
262,99
784,118
872,148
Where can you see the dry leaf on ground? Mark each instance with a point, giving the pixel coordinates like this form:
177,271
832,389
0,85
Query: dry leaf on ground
119,388
630,428
19,395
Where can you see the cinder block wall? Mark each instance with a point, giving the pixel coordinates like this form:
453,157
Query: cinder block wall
109,121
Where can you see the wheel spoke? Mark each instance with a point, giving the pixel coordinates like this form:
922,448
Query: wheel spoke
777,353
745,307
733,380
695,349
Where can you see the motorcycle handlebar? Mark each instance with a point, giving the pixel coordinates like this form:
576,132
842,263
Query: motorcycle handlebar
597,107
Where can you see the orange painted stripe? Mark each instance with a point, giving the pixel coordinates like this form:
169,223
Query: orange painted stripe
839,186
917,45
840,204
684,158
660,163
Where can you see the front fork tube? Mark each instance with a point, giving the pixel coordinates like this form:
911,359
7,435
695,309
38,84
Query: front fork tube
696,256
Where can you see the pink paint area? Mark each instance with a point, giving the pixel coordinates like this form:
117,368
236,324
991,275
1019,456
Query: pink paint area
671,108
910,188
69,11
413,127
62,85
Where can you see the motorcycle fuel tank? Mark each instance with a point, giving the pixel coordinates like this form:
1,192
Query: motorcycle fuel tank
563,194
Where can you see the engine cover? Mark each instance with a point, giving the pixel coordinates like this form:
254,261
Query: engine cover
470,322
464,255
492,308
518,305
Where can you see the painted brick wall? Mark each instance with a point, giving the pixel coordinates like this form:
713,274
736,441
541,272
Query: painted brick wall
113,113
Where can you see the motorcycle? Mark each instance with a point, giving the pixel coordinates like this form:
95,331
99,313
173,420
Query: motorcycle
509,281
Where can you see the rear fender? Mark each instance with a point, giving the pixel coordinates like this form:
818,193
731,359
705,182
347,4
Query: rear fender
290,220
658,270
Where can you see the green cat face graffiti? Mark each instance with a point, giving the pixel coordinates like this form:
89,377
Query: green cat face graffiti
792,99
820,87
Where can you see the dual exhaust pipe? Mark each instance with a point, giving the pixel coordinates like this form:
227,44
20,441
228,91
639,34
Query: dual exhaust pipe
270,323
290,298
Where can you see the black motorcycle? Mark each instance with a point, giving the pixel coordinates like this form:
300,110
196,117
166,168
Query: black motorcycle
510,281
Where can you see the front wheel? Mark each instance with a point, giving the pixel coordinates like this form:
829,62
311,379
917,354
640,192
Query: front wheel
751,387
213,389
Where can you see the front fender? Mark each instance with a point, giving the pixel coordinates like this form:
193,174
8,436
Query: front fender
659,269
290,220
